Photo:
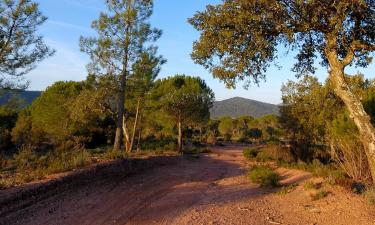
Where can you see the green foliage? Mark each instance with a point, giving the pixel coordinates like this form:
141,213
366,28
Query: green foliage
226,127
183,100
264,176
183,97
114,154
21,47
33,165
250,153
237,44
8,119
108,49
196,150
123,49
320,127
50,112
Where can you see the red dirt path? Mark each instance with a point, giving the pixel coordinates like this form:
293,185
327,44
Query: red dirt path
213,189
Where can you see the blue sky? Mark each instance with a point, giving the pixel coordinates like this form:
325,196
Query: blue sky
69,19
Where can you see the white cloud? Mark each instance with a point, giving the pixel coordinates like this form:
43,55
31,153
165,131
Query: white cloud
69,25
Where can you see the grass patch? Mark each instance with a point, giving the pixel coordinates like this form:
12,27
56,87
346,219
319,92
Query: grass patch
115,154
310,185
370,195
319,195
287,189
264,176
197,150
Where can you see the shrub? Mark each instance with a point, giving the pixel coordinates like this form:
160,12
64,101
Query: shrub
264,176
370,195
68,160
250,153
263,157
171,146
278,153
27,159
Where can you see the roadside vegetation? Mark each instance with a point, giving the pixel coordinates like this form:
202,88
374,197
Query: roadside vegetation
264,176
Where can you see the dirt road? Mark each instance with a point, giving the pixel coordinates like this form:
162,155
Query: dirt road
212,189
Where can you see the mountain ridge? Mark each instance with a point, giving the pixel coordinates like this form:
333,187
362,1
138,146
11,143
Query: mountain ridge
238,106
232,107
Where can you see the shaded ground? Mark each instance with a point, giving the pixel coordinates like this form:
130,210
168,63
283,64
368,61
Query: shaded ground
213,189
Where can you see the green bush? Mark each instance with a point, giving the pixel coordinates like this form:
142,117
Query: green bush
264,176
250,153
275,152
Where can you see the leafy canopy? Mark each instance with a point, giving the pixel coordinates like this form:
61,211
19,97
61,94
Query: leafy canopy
122,34
185,99
20,45
240,38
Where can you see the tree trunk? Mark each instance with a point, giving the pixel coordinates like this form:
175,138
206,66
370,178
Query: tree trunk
357,113
139,140
179,124
126,135
200,134
135,126
139,134
118,144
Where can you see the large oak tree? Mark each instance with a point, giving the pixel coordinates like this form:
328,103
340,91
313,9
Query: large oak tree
240,39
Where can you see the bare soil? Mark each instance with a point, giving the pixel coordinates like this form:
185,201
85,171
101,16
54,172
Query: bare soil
212,189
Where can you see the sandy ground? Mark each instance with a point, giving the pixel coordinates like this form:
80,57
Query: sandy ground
213,189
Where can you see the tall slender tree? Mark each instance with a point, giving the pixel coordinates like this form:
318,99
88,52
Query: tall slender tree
21,48
124,33
140,83
240,38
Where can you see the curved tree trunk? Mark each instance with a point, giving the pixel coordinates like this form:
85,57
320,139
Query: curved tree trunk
357,113
120,114
135,126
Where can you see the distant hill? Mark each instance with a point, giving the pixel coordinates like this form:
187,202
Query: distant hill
236,107
27,96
